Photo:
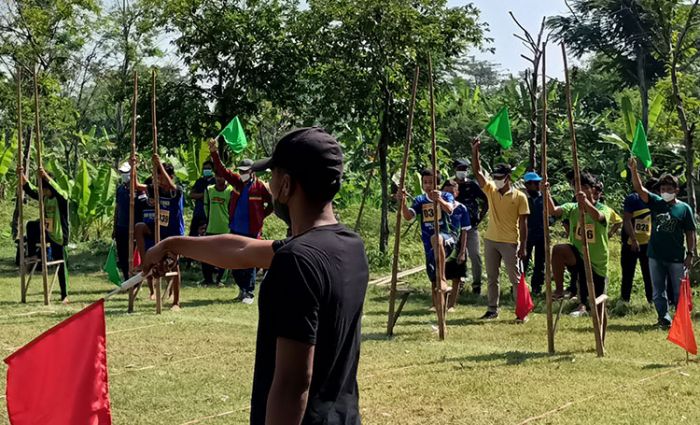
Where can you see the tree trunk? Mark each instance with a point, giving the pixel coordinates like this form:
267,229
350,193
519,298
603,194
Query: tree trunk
384,175
643,88
533,118
687,137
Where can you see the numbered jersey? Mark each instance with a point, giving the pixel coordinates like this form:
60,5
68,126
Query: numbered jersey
425,209
595,233
641,219
171,215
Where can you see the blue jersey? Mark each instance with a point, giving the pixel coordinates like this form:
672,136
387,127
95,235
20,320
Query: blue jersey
424,207
460,220
172,207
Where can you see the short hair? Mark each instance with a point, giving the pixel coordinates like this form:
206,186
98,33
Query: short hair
651,184
669,180
588,180
169,169
427,172
208,162
449,182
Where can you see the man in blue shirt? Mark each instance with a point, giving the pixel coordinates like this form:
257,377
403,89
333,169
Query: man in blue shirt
460,224
423,205
535,230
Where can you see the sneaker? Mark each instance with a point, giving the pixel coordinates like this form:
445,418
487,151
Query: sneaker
248,299
476,290
522,321
579,312
432,309
451,310
663,324
240,296
220,285
489,315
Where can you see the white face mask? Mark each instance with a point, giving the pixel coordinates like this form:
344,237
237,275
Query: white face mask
500,184
126,177
245,177
668,197
462,175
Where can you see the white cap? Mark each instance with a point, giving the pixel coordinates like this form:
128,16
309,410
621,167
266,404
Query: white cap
125,168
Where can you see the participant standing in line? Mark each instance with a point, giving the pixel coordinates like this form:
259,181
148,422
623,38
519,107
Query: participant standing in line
216,202
199,220
423,206
309,327
506,235
472,197
535,231
570,256
456,264
672,245
251,202
120,231
56,221
636,233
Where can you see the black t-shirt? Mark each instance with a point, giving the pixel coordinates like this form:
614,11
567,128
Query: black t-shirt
470,194
313,293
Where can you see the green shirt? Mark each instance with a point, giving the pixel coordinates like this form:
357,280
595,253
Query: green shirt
596,233
216,204
669,222
52,217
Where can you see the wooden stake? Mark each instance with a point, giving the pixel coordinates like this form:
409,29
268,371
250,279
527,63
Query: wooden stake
40,167
20,191
438,295
597,330
132,190
402,182
545,197
156,184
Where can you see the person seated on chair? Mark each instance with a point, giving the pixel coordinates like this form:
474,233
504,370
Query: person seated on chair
423,205
56,222
171,220
460,225
570,256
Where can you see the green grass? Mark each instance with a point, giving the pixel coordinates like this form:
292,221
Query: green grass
177,367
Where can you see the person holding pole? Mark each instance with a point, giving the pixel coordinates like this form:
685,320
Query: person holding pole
506,235
456,263
309,330
570,256
672,245
57,227
120,232
198,224
535,231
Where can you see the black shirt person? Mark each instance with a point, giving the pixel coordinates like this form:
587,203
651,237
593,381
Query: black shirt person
310,303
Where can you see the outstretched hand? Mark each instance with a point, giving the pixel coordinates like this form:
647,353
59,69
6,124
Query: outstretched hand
213,148
476,145
632,163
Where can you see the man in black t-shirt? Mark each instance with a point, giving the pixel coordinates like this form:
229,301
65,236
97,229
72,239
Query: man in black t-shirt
471,195
310,302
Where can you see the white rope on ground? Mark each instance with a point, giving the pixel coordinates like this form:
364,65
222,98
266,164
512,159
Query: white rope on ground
128,370
31,313
206,418
139,328
585,399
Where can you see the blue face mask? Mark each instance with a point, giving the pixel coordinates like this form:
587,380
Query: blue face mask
207,173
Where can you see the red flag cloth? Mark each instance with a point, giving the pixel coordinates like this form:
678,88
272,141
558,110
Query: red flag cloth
137,258
60,378
681,332
523,303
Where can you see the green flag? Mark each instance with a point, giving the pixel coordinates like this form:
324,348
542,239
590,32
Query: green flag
234,136
499,128
640,147
111,267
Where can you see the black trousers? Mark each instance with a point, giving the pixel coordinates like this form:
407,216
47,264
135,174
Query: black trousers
537,280
628,261
122,241
57,253
600,283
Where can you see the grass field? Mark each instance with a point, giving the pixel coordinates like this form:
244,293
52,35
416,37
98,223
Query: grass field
179,368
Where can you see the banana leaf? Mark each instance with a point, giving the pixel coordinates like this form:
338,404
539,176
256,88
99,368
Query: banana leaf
8,154
657,106
203,153
629,118
81,190
102,191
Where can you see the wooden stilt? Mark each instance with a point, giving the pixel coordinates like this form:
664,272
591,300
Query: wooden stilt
595,314
20,192
132,191
394,315
42,217
545,196
156,184
439,296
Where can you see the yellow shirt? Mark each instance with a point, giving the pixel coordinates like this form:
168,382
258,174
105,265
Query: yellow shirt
504,212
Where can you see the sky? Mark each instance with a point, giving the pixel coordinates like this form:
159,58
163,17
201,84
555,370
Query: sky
502,27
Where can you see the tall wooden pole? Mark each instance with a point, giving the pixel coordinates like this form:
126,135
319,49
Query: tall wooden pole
438,295
40,167
20,190
132,189
546,213
600,349
402,182
156,184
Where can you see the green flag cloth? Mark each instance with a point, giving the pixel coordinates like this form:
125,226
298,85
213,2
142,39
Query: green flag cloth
640,147
234,136
499,128
111,267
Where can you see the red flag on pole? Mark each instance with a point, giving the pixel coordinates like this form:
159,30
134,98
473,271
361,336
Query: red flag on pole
681,332
60,378
523,302
137,258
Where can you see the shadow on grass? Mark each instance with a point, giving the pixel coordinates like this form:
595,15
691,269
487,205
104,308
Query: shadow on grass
513,358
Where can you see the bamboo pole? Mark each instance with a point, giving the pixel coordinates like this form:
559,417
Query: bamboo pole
546,213
156,184
402,181
600,349
365,193
20,191
438,295
132,190
40,168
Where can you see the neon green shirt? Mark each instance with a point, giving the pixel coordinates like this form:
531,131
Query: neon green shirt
216,204
596,234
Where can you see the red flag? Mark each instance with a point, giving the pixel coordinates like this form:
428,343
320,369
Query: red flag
681,332
523,303
137,258
60,378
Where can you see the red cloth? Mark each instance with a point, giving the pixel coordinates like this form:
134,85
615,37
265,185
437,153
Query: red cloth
524,304
681,332
60,378
137,258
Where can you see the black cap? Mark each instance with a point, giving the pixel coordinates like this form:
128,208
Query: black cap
308,154
245,165
501,170
460,162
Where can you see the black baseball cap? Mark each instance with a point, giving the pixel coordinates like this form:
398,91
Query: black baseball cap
310,155
245,165
460,162
501,170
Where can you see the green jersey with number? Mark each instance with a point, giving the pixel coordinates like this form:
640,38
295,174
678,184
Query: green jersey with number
596,233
